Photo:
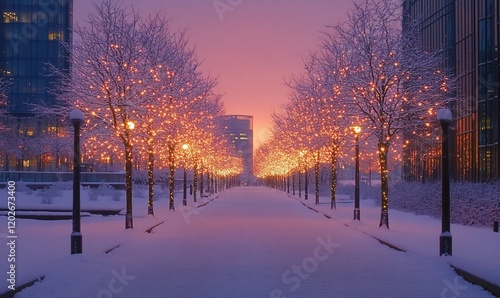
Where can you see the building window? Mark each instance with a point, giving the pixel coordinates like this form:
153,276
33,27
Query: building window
26,163
56,36
10,17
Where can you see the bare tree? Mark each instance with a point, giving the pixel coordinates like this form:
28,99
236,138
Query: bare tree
396,86
319,93
113,66
176,87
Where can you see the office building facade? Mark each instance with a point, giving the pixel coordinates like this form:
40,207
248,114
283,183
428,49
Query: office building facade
239,131
32,34
469,32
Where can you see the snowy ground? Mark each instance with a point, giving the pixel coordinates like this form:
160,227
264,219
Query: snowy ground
249,242
475,250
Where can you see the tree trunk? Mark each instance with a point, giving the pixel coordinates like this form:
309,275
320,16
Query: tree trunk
306,184
171,183
201,183
300,184
334,177
58,162
195,181
128,185
151,164
384,176
212,182
40,162
216,182
293,183
208,182
316,179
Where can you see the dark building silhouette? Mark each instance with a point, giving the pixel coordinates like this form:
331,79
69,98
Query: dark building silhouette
31,34
469,32
239,131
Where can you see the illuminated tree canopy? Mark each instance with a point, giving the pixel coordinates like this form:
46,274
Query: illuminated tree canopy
366,73
141,88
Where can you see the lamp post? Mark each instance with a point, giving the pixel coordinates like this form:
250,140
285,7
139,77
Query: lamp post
185,147
357,212
444,116
76,117
129,224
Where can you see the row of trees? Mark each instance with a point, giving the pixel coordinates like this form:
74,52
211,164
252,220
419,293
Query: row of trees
370,73
141,89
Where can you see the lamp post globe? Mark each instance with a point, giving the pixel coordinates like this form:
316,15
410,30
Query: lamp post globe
444,115
76,116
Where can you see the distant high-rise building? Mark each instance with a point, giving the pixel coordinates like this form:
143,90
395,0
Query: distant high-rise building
31,34
239,131
469,31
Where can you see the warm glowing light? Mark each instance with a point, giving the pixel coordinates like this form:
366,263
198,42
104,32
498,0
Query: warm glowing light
130,125
185,146
357,129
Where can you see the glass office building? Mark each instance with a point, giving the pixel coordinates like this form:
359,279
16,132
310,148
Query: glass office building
31,33
239,131
469,31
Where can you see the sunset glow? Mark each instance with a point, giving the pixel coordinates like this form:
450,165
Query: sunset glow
252,49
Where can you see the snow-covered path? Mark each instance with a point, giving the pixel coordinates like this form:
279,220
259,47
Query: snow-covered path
251,242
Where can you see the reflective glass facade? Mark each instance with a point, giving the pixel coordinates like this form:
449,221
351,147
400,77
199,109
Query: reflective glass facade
31,32
470,30
437,24
239,131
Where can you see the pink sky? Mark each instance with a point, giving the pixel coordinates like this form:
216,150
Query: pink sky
252,46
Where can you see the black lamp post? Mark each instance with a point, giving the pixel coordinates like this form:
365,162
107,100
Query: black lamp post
76,117
129,220
185,147
357,212
444,116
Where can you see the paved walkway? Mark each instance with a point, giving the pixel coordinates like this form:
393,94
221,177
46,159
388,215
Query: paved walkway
253,242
